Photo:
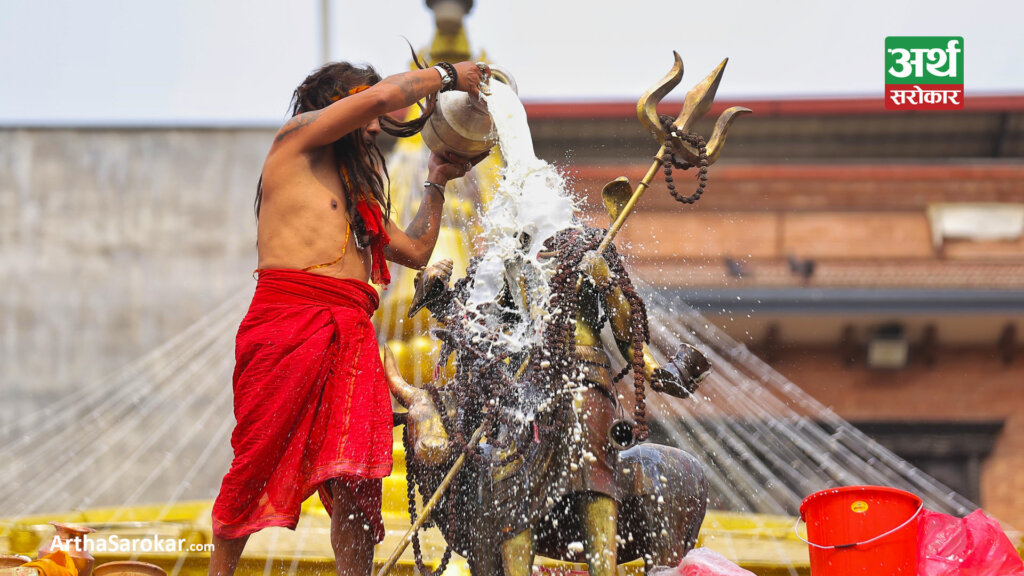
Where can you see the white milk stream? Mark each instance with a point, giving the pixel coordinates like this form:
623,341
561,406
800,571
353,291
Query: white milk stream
531,198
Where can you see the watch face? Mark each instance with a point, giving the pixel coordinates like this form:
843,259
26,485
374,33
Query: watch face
445,78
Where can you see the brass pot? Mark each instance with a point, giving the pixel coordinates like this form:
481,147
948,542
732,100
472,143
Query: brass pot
128,568
79,554
12,560
461,124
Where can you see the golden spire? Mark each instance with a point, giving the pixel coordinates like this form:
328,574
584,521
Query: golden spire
450,43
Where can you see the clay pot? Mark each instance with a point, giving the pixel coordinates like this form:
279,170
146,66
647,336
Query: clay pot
12,561
79,555
128,568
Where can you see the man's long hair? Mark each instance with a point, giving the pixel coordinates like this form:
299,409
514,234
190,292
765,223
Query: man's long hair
359,157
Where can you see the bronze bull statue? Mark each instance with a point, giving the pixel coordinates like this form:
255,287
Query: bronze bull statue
551,474
664,498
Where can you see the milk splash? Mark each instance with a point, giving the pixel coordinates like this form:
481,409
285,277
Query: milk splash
530,204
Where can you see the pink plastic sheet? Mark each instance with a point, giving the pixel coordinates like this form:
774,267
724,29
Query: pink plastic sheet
971,546
705,562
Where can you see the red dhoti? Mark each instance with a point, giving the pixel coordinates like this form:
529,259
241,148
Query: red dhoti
311,403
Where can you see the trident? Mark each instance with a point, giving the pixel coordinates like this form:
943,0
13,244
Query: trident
619,199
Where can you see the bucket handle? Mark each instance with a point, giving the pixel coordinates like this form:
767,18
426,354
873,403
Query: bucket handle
796,531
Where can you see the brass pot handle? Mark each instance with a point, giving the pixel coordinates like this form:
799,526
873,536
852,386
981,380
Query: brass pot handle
503,75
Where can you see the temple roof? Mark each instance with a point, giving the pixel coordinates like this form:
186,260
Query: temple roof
793,130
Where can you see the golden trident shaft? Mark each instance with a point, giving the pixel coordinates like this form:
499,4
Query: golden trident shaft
429,506
618,197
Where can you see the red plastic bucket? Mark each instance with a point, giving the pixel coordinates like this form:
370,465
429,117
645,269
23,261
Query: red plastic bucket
858,530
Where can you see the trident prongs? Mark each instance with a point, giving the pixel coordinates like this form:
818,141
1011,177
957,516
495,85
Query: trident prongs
699,99
722,130
696,104
647,106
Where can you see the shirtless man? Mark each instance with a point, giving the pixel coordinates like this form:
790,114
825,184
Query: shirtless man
310,399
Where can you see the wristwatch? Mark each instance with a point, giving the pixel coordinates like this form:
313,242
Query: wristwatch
446,79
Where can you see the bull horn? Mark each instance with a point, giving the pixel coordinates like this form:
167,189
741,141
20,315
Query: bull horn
401,389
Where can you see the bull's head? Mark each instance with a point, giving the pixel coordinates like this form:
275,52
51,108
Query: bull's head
427,436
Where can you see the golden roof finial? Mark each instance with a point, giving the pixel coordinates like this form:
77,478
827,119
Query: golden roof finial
450,43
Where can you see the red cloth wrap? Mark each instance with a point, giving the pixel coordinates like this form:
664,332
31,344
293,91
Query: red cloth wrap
311,403
373,217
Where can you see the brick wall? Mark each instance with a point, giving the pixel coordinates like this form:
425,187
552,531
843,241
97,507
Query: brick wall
825,212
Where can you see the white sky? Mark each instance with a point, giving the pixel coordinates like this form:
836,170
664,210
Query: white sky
235,62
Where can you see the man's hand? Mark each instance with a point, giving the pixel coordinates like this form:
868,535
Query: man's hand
441,169
470,77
